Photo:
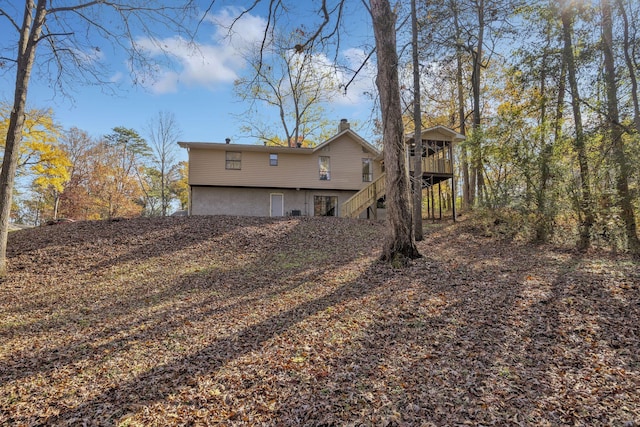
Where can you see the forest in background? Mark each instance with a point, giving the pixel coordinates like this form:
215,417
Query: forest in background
546,93
70,175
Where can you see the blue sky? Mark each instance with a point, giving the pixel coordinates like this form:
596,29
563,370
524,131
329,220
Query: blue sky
198,86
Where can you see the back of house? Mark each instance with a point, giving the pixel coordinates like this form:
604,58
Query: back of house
258,180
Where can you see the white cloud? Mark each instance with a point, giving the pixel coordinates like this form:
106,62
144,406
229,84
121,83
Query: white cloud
116,77
241,34
205,64
220,60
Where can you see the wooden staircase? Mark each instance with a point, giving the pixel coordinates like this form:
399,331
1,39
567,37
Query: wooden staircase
364,198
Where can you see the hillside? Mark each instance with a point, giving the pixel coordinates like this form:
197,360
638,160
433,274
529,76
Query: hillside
257,321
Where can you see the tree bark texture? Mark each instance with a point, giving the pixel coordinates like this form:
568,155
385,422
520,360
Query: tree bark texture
29,35
631,67
625,199
464,162
417,134
399,246
586,208
476,74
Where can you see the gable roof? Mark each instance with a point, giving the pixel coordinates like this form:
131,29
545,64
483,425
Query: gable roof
449,134
280,149
352,134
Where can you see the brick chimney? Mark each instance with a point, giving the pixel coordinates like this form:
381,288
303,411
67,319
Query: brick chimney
344,125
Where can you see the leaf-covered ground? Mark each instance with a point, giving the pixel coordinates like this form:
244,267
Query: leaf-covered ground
285,322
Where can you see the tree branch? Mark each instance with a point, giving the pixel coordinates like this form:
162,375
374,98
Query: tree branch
14,23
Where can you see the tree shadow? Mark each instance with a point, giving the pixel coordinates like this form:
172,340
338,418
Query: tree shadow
158,383
483,344
165,304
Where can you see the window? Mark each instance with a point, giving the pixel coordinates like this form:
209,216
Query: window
325,168
325,205
233,160
273,159
367,170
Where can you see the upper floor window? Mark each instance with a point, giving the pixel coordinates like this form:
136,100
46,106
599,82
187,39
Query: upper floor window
367,170
325,168
233,160
273,159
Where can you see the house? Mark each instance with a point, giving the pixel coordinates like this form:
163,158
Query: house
437,166
257,180
343,176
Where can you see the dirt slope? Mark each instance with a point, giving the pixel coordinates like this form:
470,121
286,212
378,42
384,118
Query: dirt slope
248,321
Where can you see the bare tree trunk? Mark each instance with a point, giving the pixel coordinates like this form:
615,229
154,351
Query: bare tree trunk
466,197
630,65
616,131
587,213
417,135
399,246
164,132
546,148
477,54
29,34
545,217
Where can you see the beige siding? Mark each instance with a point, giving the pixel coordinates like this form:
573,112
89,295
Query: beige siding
294,169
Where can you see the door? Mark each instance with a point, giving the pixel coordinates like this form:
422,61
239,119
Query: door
277,204
325,206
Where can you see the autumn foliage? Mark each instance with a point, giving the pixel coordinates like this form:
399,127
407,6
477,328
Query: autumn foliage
258,321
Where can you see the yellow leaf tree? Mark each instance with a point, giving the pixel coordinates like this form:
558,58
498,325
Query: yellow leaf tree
40,155
66,33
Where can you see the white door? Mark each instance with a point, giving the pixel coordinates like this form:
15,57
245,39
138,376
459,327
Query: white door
277,204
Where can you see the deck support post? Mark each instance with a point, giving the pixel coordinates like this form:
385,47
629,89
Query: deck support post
453,197
440,199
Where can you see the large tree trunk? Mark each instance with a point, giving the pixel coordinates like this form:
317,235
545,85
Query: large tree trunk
546,148
399,246
417,135
616,131
627,43
466,190
477,162
544,227
586,210
29,35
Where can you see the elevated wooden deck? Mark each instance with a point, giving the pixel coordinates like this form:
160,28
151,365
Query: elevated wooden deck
437,166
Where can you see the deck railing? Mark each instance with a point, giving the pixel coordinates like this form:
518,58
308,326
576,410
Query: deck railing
432,164
363,198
